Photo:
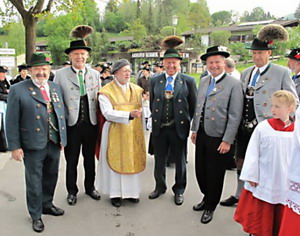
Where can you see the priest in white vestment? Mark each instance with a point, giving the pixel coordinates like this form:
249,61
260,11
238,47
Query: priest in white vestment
122,147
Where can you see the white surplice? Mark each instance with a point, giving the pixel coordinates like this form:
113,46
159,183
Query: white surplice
266,163
108,181
293,196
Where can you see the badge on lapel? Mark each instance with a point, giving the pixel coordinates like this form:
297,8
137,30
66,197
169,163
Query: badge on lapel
54,97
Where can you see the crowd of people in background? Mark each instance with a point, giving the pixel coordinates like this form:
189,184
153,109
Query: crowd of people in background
101,112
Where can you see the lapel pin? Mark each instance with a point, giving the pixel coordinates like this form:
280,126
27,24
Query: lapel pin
30,88
33,93
215,89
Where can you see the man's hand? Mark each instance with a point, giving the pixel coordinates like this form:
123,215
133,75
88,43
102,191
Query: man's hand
17,154
136,113
224,147
194,137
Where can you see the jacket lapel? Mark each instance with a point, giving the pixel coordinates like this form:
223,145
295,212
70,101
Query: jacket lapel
72,76
177,85
161,85
35,92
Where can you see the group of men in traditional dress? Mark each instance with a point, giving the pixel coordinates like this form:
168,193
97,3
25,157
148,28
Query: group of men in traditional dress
44,116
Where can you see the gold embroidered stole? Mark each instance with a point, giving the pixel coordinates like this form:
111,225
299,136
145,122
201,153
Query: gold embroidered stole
126,151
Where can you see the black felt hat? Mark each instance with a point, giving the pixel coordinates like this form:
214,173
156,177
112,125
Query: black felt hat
215,50
294,54
81,31
260,45
2,69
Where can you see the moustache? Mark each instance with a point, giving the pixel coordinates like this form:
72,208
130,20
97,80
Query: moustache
41,75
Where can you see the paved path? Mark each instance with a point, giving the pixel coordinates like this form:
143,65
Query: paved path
160,217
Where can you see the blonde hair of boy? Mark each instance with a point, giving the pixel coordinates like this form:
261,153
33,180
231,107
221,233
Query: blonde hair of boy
286,97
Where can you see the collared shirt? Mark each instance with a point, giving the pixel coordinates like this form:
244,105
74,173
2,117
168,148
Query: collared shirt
218,77
46,86
123,86
173,81
261,69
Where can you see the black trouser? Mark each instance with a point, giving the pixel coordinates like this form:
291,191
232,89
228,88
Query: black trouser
210,168
168,139
41,172
82,135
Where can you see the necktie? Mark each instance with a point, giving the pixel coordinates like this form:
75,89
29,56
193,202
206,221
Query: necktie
44,93
294,77
81,83
211,86
255,77
169,86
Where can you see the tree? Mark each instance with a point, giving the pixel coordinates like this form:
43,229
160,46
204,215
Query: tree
32,11
114,22
257,14
16,37
58,30
221,17
297,12
167,30
220,37
199,16
137,29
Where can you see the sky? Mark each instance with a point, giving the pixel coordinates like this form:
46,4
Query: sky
275,7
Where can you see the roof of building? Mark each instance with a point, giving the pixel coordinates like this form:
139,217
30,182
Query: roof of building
243,27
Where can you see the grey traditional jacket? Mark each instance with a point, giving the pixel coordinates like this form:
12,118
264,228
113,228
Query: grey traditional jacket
222,109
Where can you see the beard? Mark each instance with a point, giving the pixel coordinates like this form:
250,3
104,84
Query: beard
40,79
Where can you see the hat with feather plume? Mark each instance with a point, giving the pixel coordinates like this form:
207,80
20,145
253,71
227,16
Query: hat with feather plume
169,44
266,36
80,32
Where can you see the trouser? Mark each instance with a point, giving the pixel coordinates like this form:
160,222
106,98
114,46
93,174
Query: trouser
81,136
41,172
210,168
169,139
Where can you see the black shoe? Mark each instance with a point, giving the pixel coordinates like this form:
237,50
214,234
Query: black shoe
95,195
116,202
71,199
155,194
54,211
199,206
38,225
178,199
207,216
133,200
232,200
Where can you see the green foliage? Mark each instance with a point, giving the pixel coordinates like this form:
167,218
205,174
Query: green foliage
220,37
16,37
195,43
167,30
199,16
221,17
151,42
58,30
114,22
239,49
137,29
